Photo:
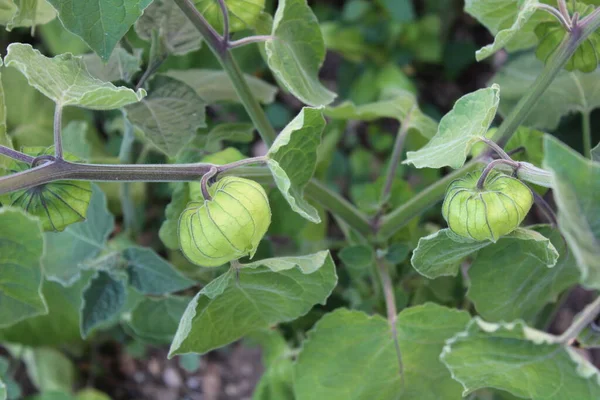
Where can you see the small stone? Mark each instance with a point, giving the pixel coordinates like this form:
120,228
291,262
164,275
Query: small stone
172,378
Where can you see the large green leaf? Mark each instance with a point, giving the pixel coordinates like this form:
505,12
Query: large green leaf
254,297
293,159
569,92
65,80
156,320
511,21
152,275
103,298
350,356
576,184
297,51
464,125
214,85
179,35
511,279
121,66
21,248
100,23
67,251
243,14
24,13
396,103
170,115
519,360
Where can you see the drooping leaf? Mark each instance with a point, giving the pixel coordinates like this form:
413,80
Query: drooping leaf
103,297
65,80
293,159
24,13
67,251
177,31
156,320
511,279
397,103
21,248
214,85
257,296
297,51
152,275
100,23
511,21
349,355
243,14
465,124
49,369
576,184
170,115
58,204
519,360
569,92
121,66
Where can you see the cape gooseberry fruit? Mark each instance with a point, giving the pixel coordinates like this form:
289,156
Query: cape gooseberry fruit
229,226
488,213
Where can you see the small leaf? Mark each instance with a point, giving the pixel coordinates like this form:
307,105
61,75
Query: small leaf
25,13
65,80
152,275
464,125
179,34
293,159
21,248
350,355
170,115
243,14
576,184
297,51
156,320
511,21
397,103
103,298
100,23
214,85
519,360
49,370
569,92
67,251
121,66
256,296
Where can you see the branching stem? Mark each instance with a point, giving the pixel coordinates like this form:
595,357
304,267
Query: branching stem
582,320
490,167
204,183
16,155
250,40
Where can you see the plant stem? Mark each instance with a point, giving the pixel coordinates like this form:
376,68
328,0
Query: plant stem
58,148
499,150
249,40
225,13
204,183
587,134
126,157
395,159
581,321
16,155
223,54
490,167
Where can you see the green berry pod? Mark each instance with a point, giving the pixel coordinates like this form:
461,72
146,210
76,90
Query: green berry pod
488,213
227,227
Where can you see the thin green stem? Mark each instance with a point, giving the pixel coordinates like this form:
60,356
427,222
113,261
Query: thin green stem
58,147
490,167
16,155
395,160
587,134
582,320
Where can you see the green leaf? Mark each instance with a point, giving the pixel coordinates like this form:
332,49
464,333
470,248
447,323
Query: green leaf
511,21
576,184
65,80
103,298
179,35
25,13
243,14
511,279
297,51
156,320
464,125
214,85
596,153
2,390
293,159
441,253
121,66
152,275
49,370
345,344
239,132
67,251
519,360
168,230
170,115
569,92
395,103
100,23
256,296
75,141
21,248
